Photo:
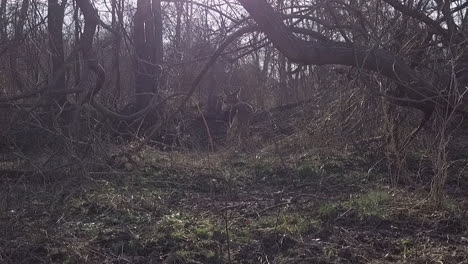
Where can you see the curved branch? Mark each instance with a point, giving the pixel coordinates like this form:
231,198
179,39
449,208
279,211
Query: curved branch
419,16
310,33
154,104
315,53
221,13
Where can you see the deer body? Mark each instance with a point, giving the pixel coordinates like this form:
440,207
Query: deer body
240,115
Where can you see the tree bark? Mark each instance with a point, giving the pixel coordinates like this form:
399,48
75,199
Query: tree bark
76,64
178,32
91,20
283,83
148,47
116,50
18,37
55,28
3,18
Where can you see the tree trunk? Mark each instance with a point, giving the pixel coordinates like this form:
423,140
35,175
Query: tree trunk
148,46
55,27
283,83
3,23
19,28
76,65
116,51
158,44
264,78
178,32
143,85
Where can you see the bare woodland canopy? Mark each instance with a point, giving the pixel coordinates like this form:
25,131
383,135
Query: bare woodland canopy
51,49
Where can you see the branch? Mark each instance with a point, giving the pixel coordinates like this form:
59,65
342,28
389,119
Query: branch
419,16
221,13
47,87
316,53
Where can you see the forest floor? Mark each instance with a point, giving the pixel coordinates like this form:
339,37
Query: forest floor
230,207
297,199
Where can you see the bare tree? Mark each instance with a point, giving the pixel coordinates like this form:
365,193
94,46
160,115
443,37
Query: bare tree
17,38
56,13
148,47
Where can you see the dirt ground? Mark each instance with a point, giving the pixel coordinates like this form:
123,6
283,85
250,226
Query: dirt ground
295,198
232,207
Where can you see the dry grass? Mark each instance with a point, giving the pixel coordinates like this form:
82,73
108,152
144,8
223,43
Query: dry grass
294,199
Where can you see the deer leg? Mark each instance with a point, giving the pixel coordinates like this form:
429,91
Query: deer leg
243,135
231,134
228,134
233,130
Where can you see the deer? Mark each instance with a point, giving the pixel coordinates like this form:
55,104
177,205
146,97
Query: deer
240,115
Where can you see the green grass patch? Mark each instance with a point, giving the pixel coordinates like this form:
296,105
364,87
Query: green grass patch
262,169
309,172
328,211
293,224
372,203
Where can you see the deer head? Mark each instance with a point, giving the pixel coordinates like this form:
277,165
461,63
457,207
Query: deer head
230,99
240,114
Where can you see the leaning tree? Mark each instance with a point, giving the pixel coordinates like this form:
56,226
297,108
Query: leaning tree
433,35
